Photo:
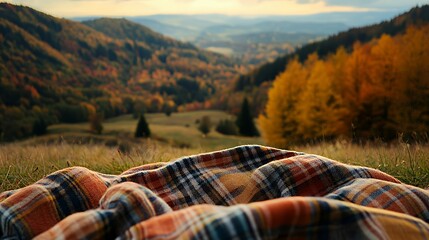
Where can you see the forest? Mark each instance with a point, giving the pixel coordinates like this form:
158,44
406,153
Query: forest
378,90
63,71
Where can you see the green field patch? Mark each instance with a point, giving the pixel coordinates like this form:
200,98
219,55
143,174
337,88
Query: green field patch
178,130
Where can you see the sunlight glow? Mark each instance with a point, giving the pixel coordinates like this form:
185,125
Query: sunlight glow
73,8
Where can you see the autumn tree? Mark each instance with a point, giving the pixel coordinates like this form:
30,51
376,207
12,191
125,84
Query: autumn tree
138,108
376,91
336,65
412,104
279,124
168,107
142,130
95,123
314,104
383,78
357,92
245,123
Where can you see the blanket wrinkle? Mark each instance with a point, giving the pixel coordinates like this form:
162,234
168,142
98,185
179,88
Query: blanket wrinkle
247,192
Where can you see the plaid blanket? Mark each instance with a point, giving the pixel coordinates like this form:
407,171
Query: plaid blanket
248,192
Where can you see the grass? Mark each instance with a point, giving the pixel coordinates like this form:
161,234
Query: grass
180,130
116,150
408,163
21,165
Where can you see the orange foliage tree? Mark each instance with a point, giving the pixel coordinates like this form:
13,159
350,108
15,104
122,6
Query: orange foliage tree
377,91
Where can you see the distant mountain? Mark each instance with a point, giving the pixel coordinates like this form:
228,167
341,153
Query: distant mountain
194,22
189,27
278,27
126,30
221,33
259,39
192,27
178,32
351,19
65,70
268,72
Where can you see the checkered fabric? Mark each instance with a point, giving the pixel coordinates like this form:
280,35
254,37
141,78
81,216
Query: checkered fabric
248,192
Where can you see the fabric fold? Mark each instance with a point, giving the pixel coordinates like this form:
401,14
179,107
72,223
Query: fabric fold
247,192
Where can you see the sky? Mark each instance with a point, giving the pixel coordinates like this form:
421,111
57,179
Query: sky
76,8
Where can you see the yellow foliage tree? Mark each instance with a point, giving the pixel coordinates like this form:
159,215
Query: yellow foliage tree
383,77
319,103
412,88
378,90
337,71
279,124
357,88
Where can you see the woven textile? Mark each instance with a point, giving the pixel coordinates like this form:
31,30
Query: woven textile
249,192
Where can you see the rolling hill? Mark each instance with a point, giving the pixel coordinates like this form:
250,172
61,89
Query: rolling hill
123,29
63,71
224,34
281,34
177,32
187,27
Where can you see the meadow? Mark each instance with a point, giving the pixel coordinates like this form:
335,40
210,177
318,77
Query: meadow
114,151
178,130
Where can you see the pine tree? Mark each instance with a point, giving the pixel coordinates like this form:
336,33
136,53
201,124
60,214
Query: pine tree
245,123
142,130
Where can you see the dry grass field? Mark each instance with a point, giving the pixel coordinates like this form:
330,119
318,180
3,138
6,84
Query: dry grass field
114,151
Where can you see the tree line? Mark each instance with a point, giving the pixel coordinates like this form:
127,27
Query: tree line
377,91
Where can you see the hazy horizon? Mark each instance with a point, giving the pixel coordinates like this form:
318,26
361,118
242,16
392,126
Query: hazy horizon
249,8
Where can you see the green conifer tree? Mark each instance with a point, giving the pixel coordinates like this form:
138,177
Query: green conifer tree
245,123
142,130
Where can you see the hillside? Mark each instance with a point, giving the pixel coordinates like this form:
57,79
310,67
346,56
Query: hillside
398,25
267,37
63,71
188,27
124,29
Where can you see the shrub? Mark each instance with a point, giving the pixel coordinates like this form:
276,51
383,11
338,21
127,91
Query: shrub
227,127
205,125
